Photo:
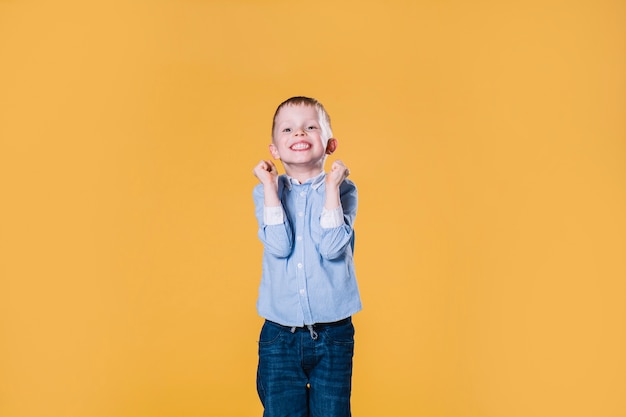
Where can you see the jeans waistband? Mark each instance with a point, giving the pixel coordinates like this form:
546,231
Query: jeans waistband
317,326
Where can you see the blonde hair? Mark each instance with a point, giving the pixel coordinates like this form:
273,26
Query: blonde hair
324,118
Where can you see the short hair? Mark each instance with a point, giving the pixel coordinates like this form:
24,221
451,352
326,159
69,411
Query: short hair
307,101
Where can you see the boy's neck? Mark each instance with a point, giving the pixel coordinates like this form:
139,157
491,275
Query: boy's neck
303,175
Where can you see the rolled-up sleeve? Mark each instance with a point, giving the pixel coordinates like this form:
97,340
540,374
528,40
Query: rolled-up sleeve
331,218
273,215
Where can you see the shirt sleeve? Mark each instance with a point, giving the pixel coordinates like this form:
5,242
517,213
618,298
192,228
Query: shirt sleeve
277,238
273,215
331,218
336,240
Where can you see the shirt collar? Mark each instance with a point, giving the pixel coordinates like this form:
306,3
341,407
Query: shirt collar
315,182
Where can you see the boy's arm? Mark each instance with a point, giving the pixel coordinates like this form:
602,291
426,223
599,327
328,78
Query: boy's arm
339,212
274,231
334,178
267,173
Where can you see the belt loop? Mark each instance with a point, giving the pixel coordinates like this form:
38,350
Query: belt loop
313,332
293,329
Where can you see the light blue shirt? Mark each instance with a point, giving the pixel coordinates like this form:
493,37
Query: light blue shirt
308,268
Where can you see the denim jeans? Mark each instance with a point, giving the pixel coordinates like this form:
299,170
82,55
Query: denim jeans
306,372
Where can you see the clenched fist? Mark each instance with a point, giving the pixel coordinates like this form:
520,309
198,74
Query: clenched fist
266,172
338,172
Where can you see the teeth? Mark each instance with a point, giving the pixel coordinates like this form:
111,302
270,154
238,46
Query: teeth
299,146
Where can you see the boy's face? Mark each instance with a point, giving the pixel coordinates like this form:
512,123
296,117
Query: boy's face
299,138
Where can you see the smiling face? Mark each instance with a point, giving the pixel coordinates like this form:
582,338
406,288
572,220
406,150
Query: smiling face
301,140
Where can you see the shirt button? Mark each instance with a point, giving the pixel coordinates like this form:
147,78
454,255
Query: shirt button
300,213
302,193
298,238
300,265
302,292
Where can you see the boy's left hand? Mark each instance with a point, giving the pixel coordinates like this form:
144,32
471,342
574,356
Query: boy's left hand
338,172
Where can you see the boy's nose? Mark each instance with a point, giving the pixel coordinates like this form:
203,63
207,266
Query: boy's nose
300,132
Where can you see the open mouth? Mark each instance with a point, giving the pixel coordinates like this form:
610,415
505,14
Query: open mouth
300,146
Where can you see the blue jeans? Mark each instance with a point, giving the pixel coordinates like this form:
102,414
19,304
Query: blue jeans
306,372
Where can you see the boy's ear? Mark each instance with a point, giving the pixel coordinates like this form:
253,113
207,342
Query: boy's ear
331,146
274,151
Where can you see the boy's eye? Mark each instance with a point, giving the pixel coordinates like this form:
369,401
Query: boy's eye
287,130
312,127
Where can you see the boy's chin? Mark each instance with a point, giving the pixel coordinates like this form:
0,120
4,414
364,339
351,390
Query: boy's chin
304,162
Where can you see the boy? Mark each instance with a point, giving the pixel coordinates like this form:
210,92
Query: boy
308,290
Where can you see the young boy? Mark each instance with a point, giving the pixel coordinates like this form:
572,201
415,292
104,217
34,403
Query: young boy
308,290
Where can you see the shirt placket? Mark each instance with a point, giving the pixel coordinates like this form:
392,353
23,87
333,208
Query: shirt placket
301,279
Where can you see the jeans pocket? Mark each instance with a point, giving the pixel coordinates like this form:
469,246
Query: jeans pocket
269,334
341,335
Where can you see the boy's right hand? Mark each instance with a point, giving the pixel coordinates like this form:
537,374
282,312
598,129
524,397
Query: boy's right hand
266,172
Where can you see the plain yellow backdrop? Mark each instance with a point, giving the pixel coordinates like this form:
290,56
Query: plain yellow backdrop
488,141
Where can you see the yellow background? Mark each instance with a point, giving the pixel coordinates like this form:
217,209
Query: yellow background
488,141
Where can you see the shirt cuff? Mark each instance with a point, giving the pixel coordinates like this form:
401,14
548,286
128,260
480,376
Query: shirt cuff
273,215
331,218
